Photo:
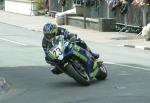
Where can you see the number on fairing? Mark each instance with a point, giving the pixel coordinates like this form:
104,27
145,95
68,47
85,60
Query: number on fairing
57,53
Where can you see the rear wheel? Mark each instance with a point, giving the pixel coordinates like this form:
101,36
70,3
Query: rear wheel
102,73
79,74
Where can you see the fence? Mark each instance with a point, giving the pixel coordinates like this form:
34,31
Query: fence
135,17
56,7
134,20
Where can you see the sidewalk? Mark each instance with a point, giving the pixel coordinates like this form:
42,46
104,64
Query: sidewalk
36,23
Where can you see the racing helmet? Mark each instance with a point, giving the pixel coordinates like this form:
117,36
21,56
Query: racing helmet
49,30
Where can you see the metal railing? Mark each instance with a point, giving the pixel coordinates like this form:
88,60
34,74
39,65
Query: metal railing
54,6
135,17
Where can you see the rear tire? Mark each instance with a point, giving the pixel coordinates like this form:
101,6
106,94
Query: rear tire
82,79
102,73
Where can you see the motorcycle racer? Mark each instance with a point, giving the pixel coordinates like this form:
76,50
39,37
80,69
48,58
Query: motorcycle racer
50,31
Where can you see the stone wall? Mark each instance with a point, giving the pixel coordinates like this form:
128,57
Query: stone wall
101,24
26,7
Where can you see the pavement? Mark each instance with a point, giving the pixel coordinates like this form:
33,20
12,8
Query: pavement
36,23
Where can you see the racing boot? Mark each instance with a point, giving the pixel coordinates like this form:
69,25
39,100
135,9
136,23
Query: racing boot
99,63
56,71
96,56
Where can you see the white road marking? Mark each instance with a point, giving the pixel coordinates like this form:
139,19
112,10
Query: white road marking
121,45
140,68
140,47
13,41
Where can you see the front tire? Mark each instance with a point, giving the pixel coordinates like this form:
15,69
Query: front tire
81,78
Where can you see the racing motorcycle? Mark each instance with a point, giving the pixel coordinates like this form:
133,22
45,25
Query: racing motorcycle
71,59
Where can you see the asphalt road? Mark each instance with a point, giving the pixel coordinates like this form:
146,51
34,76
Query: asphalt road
30,81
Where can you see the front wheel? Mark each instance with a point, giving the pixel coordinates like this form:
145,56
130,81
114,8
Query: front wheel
102,73
78,74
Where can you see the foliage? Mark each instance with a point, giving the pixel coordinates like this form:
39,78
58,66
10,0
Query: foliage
41,4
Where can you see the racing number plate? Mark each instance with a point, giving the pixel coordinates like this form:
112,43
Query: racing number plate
56,53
